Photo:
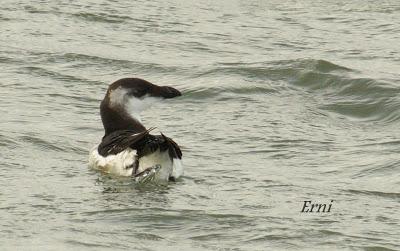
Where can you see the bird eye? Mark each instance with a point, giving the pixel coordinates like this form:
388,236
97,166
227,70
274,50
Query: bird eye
137,93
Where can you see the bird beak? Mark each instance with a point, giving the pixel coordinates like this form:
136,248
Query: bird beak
169,92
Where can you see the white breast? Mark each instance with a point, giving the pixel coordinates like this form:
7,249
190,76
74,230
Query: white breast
177,168
157,158
118,164
122,163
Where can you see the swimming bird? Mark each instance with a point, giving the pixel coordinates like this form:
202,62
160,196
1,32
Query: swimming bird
128,148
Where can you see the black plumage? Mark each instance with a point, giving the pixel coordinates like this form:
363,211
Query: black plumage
143,142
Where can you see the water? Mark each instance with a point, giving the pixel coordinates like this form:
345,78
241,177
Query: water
283,101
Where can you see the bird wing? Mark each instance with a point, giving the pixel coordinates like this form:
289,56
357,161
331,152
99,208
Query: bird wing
152,143
174,150
120,140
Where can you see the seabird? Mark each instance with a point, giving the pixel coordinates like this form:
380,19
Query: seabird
128,148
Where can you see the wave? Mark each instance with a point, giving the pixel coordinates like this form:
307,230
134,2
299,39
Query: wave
213,92
375,193
281,69
7,142
362,99
43,72
118,63
41,143
256,78
101,17
91,17
333,87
